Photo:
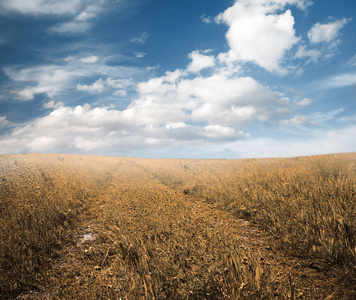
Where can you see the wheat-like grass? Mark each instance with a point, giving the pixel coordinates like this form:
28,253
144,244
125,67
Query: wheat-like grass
153,238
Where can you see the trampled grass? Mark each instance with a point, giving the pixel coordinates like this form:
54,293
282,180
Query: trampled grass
81,227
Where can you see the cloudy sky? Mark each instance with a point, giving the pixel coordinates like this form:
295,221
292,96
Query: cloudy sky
179,78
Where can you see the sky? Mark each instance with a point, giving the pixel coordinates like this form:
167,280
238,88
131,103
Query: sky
178,78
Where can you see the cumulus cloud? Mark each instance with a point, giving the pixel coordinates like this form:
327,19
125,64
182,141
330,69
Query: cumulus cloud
174,109
259,33
103,130
326,33
216,99
200,61
185,108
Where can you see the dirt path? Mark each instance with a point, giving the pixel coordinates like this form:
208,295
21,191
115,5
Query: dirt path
135,228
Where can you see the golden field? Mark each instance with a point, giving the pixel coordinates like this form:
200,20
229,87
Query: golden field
86,227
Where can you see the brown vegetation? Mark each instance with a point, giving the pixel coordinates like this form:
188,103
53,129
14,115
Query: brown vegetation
82,227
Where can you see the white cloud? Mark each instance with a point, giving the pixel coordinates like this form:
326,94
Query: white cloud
257,33
323,117
42,7
61,80
176,125
51,79
170,110
100,86
200,61
180,110
318,142
103,130
121,93
304,102
106,131
71,27
221,132
348,119
81,22
90,59
326,33
352,61
215,100
140,54
89,13
150,68
84,16
80,12
140,39
118,83
51,104
298,121
338,81
206,19
343,80
96,88
313,55
4,122
69,58
27,94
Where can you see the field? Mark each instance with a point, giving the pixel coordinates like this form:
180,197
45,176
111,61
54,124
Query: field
86,227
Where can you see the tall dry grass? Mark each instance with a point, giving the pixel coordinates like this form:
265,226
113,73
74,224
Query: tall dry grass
152,239
308,202
41,196
152,243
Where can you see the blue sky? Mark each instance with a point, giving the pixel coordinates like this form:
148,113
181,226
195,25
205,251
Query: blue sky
192,79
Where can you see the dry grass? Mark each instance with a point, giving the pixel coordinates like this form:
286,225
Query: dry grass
40,198
152,237
308,202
